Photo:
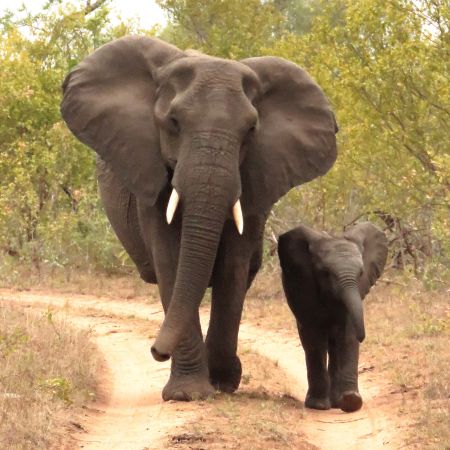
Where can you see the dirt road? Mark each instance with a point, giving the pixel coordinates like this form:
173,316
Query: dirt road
130,413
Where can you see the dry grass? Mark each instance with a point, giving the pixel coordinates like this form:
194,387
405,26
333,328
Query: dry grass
47,371
408,342
76,281
259,416
409,339
266,304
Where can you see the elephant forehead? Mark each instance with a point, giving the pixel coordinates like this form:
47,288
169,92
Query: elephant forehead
209,70
339,248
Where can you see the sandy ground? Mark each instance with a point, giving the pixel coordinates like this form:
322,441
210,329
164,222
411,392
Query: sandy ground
130,413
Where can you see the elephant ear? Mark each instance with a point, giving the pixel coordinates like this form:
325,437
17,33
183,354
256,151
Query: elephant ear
296,263
295,141
108,105
374,246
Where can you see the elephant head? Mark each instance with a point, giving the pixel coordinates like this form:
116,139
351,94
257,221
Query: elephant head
226,137
342,269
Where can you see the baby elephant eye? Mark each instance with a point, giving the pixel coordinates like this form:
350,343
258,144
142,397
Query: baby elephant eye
360,273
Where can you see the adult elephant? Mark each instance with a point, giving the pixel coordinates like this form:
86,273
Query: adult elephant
185,142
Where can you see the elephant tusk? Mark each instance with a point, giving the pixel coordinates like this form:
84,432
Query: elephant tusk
238,217
172,205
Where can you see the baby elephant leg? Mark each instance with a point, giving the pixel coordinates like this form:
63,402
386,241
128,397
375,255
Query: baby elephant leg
343,370
315,343
333,371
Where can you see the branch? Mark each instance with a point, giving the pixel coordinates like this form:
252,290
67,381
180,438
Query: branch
423,157
90,7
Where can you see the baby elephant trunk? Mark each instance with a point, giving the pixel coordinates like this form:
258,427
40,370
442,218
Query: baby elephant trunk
353,302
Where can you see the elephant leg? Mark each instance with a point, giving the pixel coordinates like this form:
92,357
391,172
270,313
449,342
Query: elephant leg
333,371
121,209
189,377
237,262
315,344
347,396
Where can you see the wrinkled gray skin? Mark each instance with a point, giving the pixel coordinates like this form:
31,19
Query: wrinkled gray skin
325,280
216,131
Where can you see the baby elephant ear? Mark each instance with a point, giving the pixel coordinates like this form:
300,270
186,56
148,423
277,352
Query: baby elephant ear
374,245
108,105
294,251
295,141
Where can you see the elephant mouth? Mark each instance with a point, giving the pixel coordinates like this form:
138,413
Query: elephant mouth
175,199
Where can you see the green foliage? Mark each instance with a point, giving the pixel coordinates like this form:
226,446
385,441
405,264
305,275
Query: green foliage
229,29
58,387
298,14
384,66
49,208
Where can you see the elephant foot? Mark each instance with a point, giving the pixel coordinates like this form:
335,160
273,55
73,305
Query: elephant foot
350,401
225,374
334,399
185,388
317,403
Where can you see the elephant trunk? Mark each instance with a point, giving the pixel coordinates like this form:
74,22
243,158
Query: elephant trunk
353,302
208,188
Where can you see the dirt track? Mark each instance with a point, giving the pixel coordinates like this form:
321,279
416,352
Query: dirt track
130,413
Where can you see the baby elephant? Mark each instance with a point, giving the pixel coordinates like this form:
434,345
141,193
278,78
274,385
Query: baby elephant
325,280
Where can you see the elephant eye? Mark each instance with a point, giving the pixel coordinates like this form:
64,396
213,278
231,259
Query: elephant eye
360,273
250,133
252,129
173,125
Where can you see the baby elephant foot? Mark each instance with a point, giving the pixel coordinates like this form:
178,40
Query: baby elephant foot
225,374
317,403
334,399
185,388
350,401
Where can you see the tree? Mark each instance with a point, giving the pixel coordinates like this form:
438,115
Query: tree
48,200
298,14
229,29
384,66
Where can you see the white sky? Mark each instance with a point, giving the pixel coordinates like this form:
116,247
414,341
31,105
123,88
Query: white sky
147,12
